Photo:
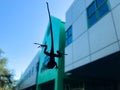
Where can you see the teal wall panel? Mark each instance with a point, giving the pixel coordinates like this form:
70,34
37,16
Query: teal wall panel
46,75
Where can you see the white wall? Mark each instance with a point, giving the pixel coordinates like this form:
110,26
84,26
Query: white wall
68,57
114,3
81,62
68,18
77,8
80,47
90,44
116,17
74,11
88,2
80,25
104,52
102,34
30,79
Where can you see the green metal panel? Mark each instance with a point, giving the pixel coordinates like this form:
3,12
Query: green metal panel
59,44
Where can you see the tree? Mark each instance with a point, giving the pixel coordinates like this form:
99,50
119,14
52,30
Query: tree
5,74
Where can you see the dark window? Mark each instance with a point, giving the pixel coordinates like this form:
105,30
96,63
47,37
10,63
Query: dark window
29,74
68,36
32,70
96,10
91,9
37,67
103,10
100,2
92,19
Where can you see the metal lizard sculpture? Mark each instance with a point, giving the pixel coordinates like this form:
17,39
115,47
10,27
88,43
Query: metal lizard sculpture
51,63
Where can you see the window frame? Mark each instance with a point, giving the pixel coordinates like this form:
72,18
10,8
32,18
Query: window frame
96,12
68,36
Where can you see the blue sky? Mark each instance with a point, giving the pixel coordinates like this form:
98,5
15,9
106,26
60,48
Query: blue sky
23,22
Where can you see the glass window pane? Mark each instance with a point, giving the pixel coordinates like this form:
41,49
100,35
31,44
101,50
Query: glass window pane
69,31
70,40
91,9
100,2
92,19
68,36
103,10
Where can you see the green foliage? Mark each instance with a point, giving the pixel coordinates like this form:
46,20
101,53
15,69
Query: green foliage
5,74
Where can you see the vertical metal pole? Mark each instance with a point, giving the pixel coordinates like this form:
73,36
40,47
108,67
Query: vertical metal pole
52,43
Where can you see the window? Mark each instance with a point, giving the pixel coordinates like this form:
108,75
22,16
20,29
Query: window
97,10
32,70
37,66
68,36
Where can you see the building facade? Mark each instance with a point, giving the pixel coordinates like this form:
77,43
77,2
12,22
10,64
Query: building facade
52,79
37,76
28,79
91,40
93,45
